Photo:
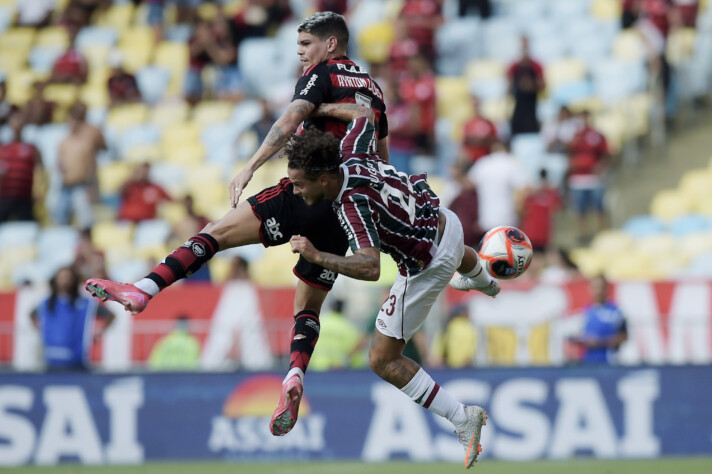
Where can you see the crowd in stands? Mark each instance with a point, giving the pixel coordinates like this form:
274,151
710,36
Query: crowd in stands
118,117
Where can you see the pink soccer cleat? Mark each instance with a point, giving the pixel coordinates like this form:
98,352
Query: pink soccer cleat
133,299
285,416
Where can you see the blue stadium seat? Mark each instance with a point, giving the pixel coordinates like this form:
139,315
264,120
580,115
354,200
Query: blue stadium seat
153,82
96,35
42,58
48,142
128,270
455,46
565,94
144,134
218,136
151,232
245,114
15,234
57,245
690,224
644,226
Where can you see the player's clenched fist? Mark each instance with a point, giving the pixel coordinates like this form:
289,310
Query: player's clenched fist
304,247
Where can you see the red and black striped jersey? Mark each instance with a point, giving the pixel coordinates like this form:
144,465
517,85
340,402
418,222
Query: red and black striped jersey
381,207
17,167
340,80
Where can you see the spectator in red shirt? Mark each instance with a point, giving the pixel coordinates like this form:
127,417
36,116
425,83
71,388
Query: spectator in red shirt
71,67
422,18
418,89
478,135
122,85
588,164
140,197
19,162
336,6
526,81
538,213
687,10
402,49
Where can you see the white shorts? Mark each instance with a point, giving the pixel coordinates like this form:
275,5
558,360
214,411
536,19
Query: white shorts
411,298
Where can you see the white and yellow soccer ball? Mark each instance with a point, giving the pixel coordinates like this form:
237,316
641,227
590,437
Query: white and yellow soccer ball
506,252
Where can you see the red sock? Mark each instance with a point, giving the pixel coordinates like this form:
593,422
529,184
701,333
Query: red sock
306,324
185,260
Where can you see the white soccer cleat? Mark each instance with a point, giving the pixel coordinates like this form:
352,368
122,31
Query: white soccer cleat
469,436
463,283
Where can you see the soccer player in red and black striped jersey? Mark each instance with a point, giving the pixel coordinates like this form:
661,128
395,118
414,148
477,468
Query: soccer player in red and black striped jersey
384,210
19,164
272,216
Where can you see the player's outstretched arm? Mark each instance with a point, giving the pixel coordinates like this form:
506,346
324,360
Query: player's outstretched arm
344,112
364,264
287,124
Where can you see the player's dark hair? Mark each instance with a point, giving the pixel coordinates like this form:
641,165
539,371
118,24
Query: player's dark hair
54,287
314,152
325,24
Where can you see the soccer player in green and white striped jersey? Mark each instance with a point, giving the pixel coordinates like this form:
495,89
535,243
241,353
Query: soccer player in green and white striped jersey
383,210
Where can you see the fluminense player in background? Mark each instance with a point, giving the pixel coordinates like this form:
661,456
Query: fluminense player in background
275,214
383,210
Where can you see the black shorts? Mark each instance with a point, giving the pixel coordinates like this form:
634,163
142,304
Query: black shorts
283,215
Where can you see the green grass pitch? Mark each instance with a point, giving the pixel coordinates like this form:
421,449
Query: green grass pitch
655,466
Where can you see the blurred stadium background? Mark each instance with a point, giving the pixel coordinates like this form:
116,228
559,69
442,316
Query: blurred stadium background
196,122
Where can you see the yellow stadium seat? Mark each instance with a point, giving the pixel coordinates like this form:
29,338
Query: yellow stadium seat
96,55
681,45
499,110
172,212
99,76
55,36
139,35
563,71
232,7
593,104
450,92
482,69
152,252
696,183
14,258
374,42
94,96
539,345
607,10
185,153
704,207
12,60
613,241
613,126
207,11
174,57
106,235
127,115
205,173
143,154
20,39
695,244
209,112
635,112
210,197
629,45
632,266
178,134
219,269
274,268
112,176
669,204
134,56
170,113
656,245
62,94
119,16
19,86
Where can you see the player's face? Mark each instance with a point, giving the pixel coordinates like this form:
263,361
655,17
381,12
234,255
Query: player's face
311,191
311,49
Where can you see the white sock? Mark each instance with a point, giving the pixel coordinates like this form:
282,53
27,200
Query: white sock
478,274
292,371
423,390
147,285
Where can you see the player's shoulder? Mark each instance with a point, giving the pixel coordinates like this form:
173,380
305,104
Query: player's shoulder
316,68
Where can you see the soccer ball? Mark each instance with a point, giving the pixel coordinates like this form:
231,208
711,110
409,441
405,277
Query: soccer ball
505,252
